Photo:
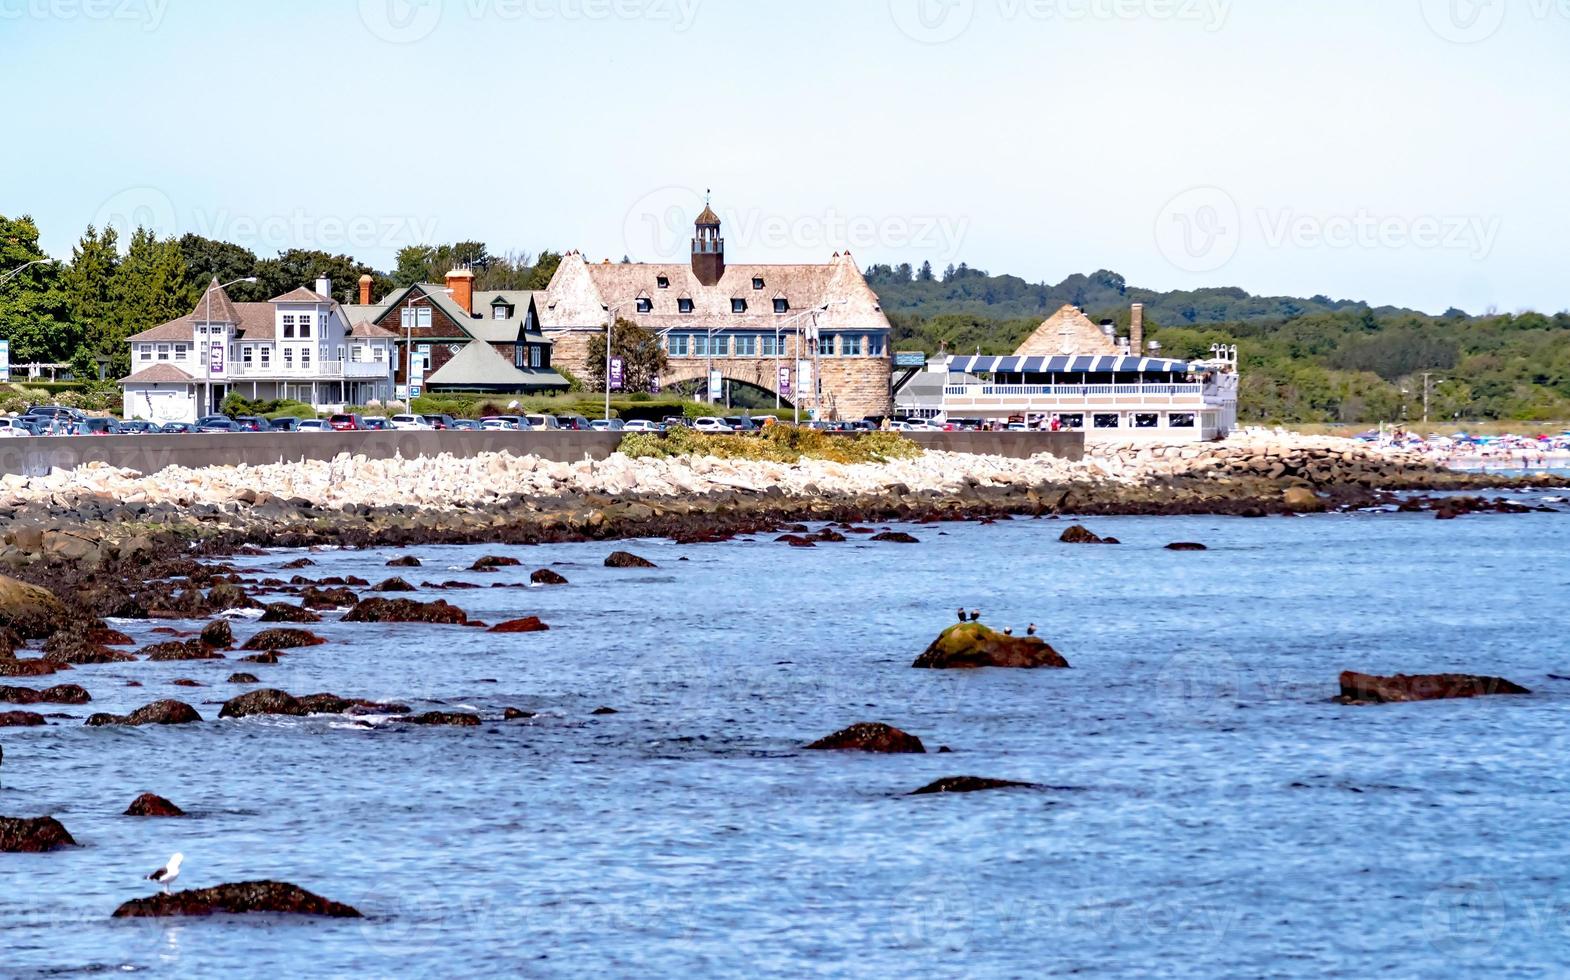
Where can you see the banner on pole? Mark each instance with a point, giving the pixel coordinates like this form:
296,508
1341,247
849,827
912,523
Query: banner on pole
215,361
785,381
618,373
5,360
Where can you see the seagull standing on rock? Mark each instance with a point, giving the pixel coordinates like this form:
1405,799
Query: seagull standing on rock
975,615
168,873
1031,631
962,614
1008,631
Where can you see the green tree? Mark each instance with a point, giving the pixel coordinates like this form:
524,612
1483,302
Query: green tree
34,315
639,348
151,286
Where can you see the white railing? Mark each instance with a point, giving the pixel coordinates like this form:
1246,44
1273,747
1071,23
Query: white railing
1074,391
316,370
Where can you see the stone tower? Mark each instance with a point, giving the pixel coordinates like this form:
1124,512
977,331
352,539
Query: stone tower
708,248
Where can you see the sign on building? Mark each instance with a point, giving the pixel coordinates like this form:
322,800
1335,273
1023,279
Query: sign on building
215,360
716,384
910,359
618,373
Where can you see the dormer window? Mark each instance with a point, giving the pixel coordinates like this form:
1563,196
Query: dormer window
664,282
781,305
645,305
757,282
684,305
501,311
738,305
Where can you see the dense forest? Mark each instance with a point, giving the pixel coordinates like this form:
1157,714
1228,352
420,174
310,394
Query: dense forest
1303,360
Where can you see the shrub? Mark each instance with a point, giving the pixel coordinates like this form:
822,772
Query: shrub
778,443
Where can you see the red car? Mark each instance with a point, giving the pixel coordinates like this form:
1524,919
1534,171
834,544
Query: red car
345,423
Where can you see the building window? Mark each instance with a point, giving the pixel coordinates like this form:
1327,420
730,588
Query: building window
305,327
163,352
876,345
1106,420
704,345
501,311
1146,420
144,352
826,345
379,352
267,356
1075,421
771,345
288,326
679,345
664,282
738,305
781,305
288,358
684,305
245,356
416,316
850,345
1181,420
645,305
305,358
747,345
536,356
757,282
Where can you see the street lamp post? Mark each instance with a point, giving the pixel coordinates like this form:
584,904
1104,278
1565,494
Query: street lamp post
207,353
23,268
1426,376
408,350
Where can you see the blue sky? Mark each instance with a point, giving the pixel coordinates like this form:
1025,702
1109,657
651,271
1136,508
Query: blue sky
1409,152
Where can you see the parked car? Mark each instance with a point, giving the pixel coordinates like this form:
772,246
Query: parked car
466,425
345,423
512,421
216,423
13,428
643,425
54,411
740,423
543,422
497,425
409,423
671,421
313,425
439,421
98,427
608,425
176,428
286,424
375,423
710,424
575,422
253,423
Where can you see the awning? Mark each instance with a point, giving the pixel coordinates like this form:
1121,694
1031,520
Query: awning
1071,364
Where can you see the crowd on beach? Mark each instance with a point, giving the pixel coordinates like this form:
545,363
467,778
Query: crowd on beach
1462,450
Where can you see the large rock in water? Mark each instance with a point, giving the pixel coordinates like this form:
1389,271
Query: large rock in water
34,613
969,784
1366,689
274,897
59,694
283,639
871,737
406,611
157,713
275,702
972,645
19,835
625,559
153,805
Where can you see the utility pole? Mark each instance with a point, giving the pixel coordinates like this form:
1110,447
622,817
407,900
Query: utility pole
1426,376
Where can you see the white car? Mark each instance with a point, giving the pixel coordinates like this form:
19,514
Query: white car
497,425
608,425
644,425
543,422
709,424
9,429
314,425
410,423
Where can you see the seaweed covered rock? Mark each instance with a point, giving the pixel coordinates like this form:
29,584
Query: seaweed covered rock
441,718
274,702
152,805
283,639
493,562
283,612
547,577
895,537
175,652
626,559
1367,689
36,835
33,612
406,611
968,784
407,561
268,897
870,737
1080,534
21,719
59,694
530,624
33,667
393,585
972,645
218,634
166,712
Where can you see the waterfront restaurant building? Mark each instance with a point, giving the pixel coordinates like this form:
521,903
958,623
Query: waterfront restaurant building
1088,379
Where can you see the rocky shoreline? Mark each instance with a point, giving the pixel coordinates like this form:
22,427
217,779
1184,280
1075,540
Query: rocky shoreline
74,530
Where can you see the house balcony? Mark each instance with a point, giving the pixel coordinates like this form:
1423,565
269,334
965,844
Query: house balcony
316,371
960,399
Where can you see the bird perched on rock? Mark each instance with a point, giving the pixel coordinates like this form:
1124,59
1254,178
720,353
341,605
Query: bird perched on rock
1031,631
962,614
169,872
975,615
1008,631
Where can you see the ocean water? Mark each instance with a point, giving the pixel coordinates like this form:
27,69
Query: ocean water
1205,809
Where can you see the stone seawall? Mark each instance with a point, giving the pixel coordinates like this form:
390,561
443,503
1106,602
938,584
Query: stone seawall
150,454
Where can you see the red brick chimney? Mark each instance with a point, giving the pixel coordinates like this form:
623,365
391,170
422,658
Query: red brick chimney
1136,330
365,289
461,284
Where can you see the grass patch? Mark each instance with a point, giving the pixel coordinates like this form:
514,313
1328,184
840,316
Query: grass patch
777,444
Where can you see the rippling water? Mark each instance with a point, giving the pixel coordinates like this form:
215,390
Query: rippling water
1207,811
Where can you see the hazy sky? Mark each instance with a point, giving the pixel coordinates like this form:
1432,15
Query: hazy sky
1410,152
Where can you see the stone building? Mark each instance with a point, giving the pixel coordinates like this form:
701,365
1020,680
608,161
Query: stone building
774,327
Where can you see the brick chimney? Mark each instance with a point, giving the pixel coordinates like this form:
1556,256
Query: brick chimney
461,284
1136,330
365,289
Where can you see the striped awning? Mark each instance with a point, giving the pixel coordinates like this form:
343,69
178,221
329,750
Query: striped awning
1071,364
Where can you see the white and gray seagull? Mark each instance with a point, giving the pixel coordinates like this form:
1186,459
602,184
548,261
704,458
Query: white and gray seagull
168,873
